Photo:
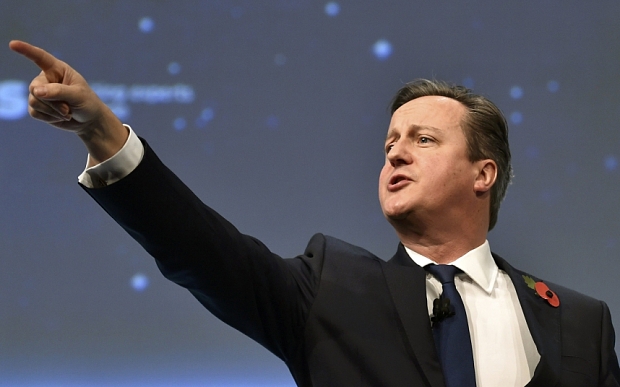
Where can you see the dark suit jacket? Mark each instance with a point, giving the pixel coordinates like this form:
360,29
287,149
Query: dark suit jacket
337,314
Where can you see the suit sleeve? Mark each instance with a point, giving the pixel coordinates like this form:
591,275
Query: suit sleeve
233,275
609,373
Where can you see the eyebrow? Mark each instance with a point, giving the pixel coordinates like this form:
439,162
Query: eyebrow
392,132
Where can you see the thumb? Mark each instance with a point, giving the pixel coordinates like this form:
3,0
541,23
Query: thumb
62,98
56,92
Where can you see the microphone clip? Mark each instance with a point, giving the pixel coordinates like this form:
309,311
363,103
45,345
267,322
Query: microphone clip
441,310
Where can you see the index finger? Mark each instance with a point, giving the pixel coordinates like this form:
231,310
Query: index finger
40,57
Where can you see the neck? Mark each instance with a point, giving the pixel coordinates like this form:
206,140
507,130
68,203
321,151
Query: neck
442,245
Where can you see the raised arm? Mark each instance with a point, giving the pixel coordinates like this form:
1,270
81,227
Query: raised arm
61,97
235,276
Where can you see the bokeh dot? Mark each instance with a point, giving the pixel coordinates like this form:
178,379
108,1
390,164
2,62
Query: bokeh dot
174,68
382,49
273,122
15,108
179,124
139,282
553,86
146,24
516,118
516,92
611,163
332,8
468,82
207,114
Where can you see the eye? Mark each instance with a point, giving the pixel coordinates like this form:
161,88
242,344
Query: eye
425,140
388,148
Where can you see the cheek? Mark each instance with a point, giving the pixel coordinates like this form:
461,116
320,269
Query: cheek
457,179
382,183
383,176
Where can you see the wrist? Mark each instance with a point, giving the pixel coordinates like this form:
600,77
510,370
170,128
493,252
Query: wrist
104,137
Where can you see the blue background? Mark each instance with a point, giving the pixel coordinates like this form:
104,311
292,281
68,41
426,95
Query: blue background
274,113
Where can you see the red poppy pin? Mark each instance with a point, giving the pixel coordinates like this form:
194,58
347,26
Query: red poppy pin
543,291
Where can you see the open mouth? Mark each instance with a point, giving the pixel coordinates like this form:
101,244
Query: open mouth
398,181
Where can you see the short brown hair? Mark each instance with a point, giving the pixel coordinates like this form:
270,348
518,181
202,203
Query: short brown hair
485,129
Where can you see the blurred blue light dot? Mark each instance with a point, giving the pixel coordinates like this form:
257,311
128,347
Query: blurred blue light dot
468,82
516,92
15,106
332,8
207,114
139,282
180,124
279,59
205,117
553,86
382,49
611,163
174,68
273,122
146,24
516,118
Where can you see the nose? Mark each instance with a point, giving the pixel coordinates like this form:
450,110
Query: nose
399,154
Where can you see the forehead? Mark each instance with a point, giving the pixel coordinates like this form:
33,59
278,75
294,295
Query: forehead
431,111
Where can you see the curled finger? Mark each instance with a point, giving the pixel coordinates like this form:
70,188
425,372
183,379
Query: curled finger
49,119
57,109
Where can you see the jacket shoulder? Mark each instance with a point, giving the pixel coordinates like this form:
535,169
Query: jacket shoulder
562,291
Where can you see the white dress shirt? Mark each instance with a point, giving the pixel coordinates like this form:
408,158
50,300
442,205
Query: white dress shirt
117,166
504,352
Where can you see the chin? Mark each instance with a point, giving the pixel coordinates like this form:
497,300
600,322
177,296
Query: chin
395,214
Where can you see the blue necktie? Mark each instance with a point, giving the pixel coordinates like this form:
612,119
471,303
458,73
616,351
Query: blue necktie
450,330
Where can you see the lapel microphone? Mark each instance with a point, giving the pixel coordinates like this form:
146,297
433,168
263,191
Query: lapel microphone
441,310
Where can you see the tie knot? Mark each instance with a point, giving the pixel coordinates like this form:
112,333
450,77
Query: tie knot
444,273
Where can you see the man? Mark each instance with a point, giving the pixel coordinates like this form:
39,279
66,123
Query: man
337,315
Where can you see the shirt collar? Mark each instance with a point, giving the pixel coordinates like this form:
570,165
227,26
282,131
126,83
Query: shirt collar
478,264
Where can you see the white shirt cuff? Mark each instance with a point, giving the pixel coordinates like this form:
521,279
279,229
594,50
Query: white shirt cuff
117,166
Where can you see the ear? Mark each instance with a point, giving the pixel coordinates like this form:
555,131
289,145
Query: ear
487,174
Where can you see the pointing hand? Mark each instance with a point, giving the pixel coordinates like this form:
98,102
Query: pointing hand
61,97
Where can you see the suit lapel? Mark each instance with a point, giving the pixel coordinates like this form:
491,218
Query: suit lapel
407,284
543,321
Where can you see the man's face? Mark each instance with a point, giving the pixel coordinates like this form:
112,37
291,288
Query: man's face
427,171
